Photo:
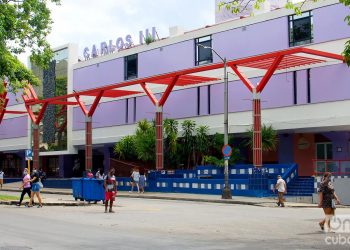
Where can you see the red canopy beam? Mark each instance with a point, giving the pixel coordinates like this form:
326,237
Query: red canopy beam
243,78
15,112
149,93
88,126
3,108
269,73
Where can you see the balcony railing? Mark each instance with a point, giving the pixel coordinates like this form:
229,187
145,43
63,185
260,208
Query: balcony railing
336,167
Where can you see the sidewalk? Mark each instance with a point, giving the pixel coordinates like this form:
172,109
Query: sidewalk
64,197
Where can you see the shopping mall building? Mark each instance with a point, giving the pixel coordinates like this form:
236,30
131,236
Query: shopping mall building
308,105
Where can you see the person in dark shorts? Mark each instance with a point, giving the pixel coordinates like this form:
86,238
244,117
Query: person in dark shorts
110,190
328,200
142,180
35,189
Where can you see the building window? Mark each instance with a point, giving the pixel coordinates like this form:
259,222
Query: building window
130,67
295,90
300,29
203,55
308,85
209,100
198,101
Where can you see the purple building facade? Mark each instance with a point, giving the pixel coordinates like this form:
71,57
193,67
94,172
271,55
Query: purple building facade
308,103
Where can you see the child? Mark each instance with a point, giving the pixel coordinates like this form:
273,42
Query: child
110,190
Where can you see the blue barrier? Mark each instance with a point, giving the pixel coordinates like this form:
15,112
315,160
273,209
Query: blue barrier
243,180
93,190
77,187
88,189
57,183
11,180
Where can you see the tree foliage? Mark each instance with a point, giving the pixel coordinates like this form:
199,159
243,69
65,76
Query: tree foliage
202,142
188,130
171,128
239,6
269,138
193,146
125,148
24,24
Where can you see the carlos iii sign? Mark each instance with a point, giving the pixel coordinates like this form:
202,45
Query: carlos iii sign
120,43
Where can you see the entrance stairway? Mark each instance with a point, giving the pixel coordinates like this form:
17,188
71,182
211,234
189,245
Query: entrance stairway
301,186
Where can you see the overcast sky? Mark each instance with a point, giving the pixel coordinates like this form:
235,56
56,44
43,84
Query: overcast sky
91,22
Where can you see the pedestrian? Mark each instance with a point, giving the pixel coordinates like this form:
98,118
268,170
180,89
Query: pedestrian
142,181
328,200
282,189
135,180
98,175
1,178
89,174
42,176
35,189
26,187
110,186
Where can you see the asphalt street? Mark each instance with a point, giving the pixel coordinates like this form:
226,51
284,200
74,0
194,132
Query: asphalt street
163,224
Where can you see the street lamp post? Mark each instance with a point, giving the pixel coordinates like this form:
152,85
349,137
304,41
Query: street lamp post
226,192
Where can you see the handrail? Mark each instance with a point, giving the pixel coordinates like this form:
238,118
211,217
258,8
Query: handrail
336,167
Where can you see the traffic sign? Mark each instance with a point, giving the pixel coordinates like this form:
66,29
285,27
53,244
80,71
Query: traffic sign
226,150
29,155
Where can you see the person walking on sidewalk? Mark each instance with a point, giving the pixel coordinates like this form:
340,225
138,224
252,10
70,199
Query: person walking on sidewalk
142,181
135,176
1,178
35,189
282,189
328,200
110,190
26,187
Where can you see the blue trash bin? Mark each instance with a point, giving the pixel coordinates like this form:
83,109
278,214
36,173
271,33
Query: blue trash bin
77,186
93,190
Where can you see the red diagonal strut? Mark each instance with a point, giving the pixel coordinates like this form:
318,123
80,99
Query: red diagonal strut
168,91
149,93
243,78
269,73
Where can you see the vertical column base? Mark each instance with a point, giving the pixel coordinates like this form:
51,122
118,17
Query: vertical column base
159,138
88,143
257,141
36,147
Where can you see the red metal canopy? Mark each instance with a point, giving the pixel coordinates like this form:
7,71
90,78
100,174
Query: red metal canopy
280,60
290,59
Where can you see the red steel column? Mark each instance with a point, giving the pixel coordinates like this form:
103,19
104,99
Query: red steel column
35,146
159,137
88,142
257,147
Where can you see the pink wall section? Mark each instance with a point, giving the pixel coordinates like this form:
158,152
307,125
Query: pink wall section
304,152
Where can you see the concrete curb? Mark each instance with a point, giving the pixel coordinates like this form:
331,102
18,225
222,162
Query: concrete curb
42,191
155,197
71,204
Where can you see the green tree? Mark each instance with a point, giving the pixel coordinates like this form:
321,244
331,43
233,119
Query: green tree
238,6
171,128
145,141
269,138
188,129
202,142
125,148
23,24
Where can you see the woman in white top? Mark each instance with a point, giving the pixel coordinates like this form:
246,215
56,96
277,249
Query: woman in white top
136,178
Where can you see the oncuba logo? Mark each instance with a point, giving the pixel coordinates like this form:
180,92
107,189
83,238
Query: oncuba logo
116,45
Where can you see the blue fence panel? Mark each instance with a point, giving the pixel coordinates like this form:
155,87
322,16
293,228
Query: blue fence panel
77,187
93,190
